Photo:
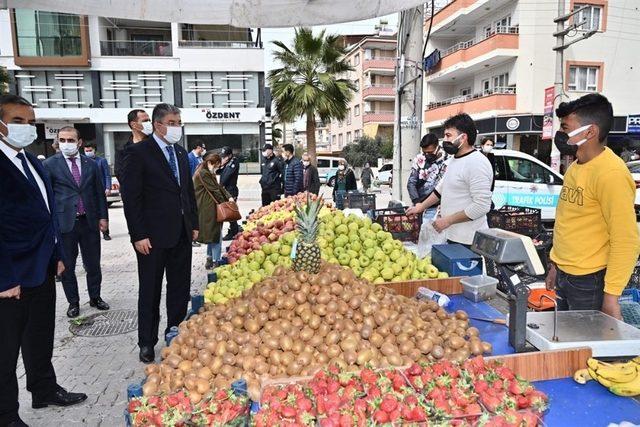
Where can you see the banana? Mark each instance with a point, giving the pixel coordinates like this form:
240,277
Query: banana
631,388
636,360
614,372
581,376
601,380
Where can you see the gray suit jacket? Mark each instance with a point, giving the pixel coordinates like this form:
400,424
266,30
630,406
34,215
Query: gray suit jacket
67,192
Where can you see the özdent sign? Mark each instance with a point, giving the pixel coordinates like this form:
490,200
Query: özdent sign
222,116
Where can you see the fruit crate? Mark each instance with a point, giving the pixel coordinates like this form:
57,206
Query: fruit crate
634,280
403,227
517,219
356,200
630,306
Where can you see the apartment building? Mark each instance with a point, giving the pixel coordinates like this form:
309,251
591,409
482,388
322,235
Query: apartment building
371,111
90,71
493,59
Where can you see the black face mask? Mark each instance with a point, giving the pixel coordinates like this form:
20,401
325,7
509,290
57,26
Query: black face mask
432,157
450,147
561,139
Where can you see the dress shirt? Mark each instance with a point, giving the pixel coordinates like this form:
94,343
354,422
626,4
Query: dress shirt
163,147
78,162
13,156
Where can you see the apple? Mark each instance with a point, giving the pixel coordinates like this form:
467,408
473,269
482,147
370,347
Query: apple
443,275
344,259
375,227
387,247
370,252
381,236
365,261
395,255
432,271
380,256
369,243
354,263
387,273
342,229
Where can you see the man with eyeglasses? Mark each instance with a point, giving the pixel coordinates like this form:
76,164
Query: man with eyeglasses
161,212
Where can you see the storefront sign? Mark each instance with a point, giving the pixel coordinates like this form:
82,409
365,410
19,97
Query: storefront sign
222,116
547,120
513,123
51,129
633,124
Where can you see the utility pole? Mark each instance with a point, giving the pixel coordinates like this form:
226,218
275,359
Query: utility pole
408,105
559,48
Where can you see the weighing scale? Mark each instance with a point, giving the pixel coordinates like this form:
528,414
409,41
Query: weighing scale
515,253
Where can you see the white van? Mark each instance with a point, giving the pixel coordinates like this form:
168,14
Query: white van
523,180
327,168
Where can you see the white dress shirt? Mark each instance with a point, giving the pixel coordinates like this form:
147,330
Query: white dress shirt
163,147
13,156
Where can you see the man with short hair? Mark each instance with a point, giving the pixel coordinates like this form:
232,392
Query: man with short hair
464,192
161,212
293,171
195,156
140,125
229,180
271,181
30,255
426,172
91,151
82,214
310,177
595,236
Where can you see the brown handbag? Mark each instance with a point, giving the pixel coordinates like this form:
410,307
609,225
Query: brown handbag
225,211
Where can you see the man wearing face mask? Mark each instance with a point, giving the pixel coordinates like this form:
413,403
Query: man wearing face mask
90,150
293,171
82,214
595,239
229,180
30,255
140,125
426,172
161,211
195,156
310,177
464,192
272,170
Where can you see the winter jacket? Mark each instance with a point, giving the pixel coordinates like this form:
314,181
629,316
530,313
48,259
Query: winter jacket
272,171
349,179
229,176
425,176
210,228
293,175
311,180
366,177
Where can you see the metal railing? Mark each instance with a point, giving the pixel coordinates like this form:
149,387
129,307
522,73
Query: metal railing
366,113
49,46
467,44
216,44
384,85
135,48
506,90
381,58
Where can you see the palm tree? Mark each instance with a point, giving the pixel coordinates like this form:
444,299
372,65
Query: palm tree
310,82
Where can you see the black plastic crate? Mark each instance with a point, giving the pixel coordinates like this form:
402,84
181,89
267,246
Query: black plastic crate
363,201
526,221
403,227
634,280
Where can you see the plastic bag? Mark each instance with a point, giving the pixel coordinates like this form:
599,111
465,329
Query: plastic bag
429,236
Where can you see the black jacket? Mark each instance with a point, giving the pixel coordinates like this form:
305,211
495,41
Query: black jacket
155,206
311,179
118,164
293,177
229,176
350,181
272,174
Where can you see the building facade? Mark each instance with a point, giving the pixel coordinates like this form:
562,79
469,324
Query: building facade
493,59
371,111
90,71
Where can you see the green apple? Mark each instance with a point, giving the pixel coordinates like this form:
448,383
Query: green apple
415,275
443,275
342,229
387,273
255,277
380,256
368,243
354,227
366,222
288,238
403,261
274,258
357,271
395,254
354,263
397,244
356,246
353,254
375,227
344,259
333,260
254,266
365,261
367,275
329,235
370,252
396,268
339,251
387,247
322,242
379,281
432,271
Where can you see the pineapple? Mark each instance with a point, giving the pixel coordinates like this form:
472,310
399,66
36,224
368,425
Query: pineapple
308,252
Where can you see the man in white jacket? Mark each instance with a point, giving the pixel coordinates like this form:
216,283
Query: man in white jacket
465,191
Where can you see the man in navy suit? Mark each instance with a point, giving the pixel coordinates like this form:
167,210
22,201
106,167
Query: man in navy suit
195,156
90,150
160,207
82,214
30,256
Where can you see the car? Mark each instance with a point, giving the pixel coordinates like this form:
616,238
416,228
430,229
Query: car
114,197
385,174
634,168
327,169
523,180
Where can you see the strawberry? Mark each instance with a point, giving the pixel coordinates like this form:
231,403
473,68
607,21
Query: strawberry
523,402
530,419
505,373
368,376
414,370
473,409
346,420
418,414
380,417
394,415
539,400
411,400
133,406
304,405
480,386
490,402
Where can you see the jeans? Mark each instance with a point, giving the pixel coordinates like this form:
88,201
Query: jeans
214,250
580,292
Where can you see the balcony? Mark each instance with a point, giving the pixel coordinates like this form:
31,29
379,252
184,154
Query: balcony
379,117
466,58
379,92
217,44
135,48
455,16
382,65
498,99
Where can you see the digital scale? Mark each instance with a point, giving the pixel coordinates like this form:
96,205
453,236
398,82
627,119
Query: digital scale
515,253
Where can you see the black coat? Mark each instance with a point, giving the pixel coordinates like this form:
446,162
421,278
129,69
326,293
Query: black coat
229,176
118,164
155,206
350,181
312,181
272,174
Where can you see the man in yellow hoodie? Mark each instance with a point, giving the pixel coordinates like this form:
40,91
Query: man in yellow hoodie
595,243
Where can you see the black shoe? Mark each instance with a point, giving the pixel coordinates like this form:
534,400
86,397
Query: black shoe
73,310
60,398
208,265
17,423
106,236
147,355
98,303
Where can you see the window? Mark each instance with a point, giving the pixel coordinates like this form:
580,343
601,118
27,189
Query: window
335,163
521,170
500,81
356,59
356,134
488,31
466,91
349,116
40,33
503,24
340,141
356,83
590,16
368,107
348,137
486,87
325,163
583,79
386,167
356,110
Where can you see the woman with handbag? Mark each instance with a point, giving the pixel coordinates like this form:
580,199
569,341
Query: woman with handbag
210,195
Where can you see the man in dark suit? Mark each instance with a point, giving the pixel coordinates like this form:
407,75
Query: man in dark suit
161,212
140,125
82,214
310,178
91,151
229,180
30,256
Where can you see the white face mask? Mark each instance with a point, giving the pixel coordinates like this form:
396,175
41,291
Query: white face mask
212,169
577,132
487,148
174,134
69,148
90,154
305,163
341,167
265,154
147,128
20,135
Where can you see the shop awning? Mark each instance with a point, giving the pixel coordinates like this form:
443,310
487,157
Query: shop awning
241,13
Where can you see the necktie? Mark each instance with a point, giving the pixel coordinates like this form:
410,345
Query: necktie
75,171
27,171
172,163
